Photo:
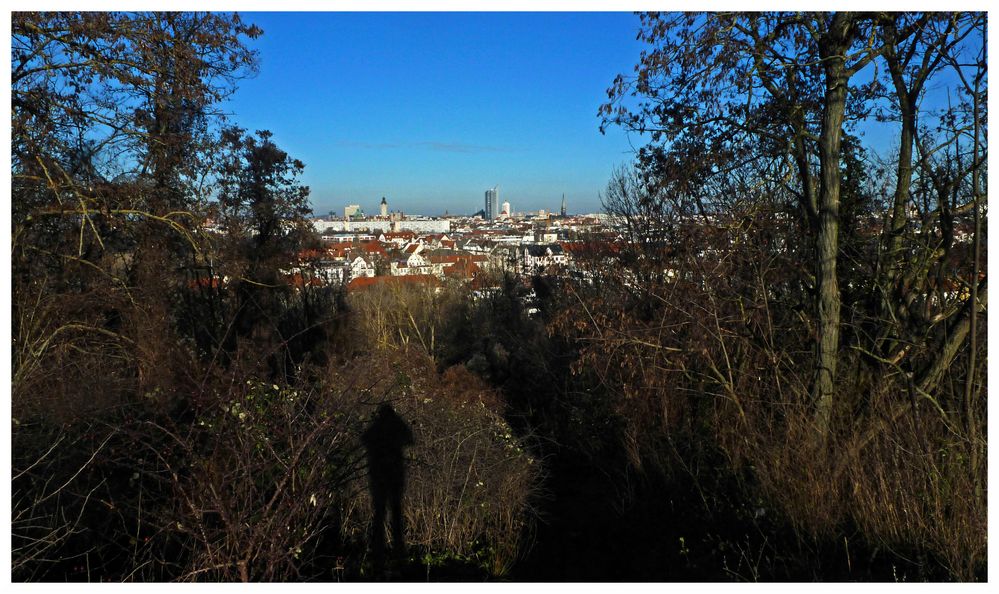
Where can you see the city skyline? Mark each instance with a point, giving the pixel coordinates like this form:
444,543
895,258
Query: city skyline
414,107
383,206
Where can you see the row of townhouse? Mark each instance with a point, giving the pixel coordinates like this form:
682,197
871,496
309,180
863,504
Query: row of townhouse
400,254
528,258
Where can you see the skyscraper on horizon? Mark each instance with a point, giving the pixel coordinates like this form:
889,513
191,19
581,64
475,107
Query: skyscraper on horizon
492,203
563,204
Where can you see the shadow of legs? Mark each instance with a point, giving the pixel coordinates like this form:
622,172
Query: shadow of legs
378,531
398,529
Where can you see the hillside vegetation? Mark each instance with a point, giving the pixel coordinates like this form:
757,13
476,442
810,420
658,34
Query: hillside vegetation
775,371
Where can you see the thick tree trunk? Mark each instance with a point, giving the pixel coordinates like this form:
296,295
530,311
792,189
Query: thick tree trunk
832,50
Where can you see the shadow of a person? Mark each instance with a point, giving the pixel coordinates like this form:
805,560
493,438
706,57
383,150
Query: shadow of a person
384,440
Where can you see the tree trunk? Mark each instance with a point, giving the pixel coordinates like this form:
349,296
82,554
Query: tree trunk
832,49
899,217
970,403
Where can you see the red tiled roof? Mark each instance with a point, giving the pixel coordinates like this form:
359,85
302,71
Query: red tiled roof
309,254
373,247
446,258
590,247
463,269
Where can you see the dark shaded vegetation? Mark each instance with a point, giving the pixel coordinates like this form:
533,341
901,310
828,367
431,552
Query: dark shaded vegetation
182,412
384,441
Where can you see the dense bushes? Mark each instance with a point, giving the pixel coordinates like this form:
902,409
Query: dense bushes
249,466
798,301
685,396
705,369
470,480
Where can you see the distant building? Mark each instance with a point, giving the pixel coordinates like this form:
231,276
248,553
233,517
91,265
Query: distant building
381,226
536,258
424,225
505,211
545,236
492,203
563,205
351,210
384,207
324,226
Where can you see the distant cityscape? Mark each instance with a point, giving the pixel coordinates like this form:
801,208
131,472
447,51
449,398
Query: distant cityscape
494,207
364,250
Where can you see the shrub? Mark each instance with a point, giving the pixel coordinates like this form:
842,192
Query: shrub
469,479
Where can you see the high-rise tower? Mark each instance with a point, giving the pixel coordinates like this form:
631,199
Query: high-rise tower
492,203
384,207
563,204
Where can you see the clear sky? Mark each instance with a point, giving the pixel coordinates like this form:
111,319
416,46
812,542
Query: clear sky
432,109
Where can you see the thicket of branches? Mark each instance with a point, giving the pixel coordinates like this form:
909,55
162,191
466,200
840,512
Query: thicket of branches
804,302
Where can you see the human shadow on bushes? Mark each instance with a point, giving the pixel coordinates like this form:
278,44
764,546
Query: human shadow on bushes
384,441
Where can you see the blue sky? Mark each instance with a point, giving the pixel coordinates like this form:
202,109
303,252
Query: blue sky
432,109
